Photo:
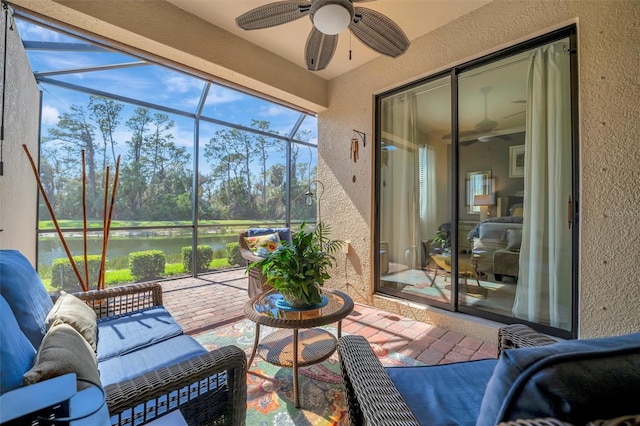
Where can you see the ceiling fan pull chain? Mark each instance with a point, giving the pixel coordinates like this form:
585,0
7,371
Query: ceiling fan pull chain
350,36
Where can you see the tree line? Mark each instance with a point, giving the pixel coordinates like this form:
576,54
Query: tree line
245,174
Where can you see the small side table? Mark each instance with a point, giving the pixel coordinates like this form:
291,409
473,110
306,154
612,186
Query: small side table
297,348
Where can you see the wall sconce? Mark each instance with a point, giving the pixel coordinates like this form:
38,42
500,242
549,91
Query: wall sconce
484,201
310,194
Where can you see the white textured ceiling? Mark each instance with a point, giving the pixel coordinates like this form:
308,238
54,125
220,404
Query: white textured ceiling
415,17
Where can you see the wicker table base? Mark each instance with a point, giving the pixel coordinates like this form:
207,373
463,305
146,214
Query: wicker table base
298,343
314,346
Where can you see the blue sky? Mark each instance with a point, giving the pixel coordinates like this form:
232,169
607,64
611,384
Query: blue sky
150,83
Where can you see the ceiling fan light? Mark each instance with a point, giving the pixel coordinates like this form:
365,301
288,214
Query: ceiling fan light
331,19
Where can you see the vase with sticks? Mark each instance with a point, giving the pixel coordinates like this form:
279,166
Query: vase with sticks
106,222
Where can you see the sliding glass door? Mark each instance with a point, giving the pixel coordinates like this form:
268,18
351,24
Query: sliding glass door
476,180
415,188
515,123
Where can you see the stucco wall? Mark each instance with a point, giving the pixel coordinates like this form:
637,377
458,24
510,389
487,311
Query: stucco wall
18,190
609,107
609,59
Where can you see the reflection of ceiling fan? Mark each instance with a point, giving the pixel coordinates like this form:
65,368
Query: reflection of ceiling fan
483,130
329,18
485,125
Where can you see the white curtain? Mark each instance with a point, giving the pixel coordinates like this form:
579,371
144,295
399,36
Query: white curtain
543,293
428,192
400,213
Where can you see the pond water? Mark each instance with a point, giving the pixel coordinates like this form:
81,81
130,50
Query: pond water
122,243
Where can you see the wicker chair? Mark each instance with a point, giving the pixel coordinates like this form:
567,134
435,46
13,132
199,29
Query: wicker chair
257,282
374,399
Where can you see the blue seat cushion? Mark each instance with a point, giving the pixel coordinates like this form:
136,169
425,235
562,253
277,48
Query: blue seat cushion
574,381
16,351
447,394
136,363
121,334
283,233
23,290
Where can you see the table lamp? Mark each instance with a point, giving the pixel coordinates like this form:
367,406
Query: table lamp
484,201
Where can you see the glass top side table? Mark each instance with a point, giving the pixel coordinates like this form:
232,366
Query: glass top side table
291,346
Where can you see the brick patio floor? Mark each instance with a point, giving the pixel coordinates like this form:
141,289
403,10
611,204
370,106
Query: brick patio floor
217,299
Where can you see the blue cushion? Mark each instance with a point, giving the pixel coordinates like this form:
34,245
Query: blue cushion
136,363
125,333
283,233
574,381
21,286
16,352
447,394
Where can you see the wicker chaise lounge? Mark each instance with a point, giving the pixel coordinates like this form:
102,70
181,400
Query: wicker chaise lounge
257,282
545,382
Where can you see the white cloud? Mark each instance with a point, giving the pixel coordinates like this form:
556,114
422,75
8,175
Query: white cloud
191,101
220,95
183,137
50,115
274,111
34,32
181,84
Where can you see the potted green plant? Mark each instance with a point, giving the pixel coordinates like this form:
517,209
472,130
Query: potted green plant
299,269
442,238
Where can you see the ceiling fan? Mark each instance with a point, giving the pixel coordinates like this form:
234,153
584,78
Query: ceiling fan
329,18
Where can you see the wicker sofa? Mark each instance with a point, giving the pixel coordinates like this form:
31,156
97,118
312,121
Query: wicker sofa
544,382
120,340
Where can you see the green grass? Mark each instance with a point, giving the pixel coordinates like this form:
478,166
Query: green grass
97,223
219,263
173,269
123,276
118,276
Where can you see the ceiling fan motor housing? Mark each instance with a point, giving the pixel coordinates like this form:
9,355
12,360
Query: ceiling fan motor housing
326,15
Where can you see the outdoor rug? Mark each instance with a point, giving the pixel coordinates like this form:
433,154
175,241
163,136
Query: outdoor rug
270,388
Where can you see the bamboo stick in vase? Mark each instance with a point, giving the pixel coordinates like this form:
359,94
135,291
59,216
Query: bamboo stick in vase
84,219
113,200
103,254
53,217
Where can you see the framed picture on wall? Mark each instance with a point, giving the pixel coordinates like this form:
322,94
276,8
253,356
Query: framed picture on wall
516,161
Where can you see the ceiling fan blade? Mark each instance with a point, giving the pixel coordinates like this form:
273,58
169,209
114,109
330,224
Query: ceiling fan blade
319,49
486,125
379,32
514,114
461,134
273,14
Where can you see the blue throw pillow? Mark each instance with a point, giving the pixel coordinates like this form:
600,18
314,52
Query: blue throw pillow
23,290
283,233
575,381
16,352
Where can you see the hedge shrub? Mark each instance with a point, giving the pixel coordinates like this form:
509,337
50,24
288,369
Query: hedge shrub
64,278
233,254
146,265
203,258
